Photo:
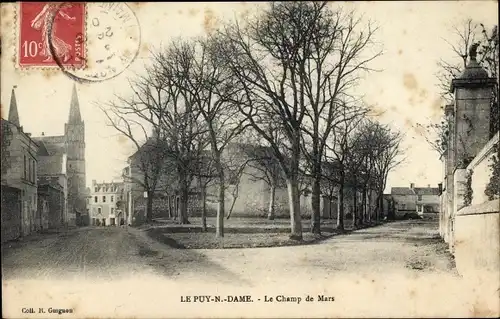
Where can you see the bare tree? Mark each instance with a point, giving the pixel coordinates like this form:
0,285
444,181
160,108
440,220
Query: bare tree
386,155
338,52
294,62
147,161
340,145
201,72
157,103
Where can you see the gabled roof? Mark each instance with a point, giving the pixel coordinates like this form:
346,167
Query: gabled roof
414,191
54,145
402,191
42,150
426,190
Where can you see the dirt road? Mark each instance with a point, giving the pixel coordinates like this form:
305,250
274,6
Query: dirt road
400,268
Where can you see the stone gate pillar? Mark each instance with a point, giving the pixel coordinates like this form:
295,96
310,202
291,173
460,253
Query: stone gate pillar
470,129
473,94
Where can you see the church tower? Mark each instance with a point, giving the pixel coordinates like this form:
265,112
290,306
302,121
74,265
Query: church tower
74,132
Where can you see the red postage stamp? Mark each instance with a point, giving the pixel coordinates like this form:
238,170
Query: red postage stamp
52,34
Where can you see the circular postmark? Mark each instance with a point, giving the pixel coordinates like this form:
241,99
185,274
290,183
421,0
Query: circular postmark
110,42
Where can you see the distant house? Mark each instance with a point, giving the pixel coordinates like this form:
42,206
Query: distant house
418,200
105,204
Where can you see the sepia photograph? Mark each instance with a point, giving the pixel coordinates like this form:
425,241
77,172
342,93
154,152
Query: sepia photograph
309,159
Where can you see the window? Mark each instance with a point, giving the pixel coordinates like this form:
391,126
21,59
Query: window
419,197
96,189
99,210
104,199
95,199
29,170
25,167
34,171
121,197
112,198
403,206
419,208
112,210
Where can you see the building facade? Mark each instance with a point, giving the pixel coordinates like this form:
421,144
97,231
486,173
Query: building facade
420,200
106,207
66,157
22,171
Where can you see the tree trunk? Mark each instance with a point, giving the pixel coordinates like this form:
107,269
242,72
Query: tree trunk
219,232
184,197
294,202
316,206
363,208
203,209
355,211
340,213
149,207
391,214
270,213
330,207
370,195
169,204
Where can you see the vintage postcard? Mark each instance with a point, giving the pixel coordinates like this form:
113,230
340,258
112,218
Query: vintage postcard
250,159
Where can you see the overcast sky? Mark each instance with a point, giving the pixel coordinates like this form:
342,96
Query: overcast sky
412,34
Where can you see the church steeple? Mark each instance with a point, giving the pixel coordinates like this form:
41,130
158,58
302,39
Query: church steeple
13,114
74,109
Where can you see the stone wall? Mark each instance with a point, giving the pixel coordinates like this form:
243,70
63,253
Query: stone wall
469,221
476,240
11,213
475,231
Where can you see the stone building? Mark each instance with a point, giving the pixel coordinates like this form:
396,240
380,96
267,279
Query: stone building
51,201
248,189
64,157
21,173
420,200
106,206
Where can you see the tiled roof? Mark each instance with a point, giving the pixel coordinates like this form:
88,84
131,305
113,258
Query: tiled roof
426,191
53,144
414,191
402,191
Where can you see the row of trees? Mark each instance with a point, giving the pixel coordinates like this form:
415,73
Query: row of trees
284,78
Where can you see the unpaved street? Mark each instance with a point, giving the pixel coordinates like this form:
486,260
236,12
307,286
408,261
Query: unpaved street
105,253
394,266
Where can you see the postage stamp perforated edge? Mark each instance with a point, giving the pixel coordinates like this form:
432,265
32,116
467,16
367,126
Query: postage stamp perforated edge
16,42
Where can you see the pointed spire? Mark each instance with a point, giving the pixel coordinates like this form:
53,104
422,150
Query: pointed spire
13,114
74,109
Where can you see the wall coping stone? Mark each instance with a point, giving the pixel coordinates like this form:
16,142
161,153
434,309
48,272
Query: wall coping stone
489,207
485,151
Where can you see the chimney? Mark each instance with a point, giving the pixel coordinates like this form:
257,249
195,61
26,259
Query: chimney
94,182
428,185
440,188
43,133
412,185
